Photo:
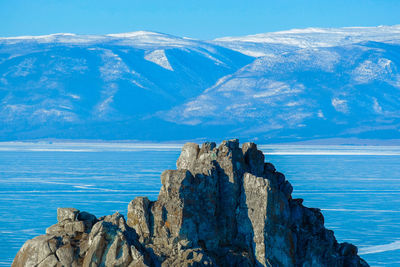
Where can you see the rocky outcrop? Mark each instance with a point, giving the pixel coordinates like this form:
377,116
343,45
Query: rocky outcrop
223,206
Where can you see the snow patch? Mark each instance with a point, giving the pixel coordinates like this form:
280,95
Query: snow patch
22,69
277,88
30,37
104,107
238,106
43,115
113,67
251,53
207,55
74,96
132,34
377,107
292,104
370,70
138,84
320,37
340,105
158,57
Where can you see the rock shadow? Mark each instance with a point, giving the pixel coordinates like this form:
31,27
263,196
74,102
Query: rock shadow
219,227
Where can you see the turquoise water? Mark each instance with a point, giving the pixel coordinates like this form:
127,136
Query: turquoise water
357,188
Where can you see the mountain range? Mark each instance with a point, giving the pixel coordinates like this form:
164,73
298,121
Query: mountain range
302,84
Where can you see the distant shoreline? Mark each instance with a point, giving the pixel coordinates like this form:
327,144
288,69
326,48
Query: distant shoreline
313,142
294,149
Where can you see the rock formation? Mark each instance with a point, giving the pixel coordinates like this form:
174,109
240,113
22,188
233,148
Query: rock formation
223,206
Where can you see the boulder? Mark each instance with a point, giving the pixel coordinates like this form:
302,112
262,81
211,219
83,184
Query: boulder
66,214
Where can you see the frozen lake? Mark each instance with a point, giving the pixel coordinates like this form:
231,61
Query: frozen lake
357,187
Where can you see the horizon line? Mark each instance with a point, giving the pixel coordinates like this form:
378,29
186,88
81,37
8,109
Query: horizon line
123,35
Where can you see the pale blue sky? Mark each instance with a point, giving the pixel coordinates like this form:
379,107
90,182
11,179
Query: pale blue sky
203,19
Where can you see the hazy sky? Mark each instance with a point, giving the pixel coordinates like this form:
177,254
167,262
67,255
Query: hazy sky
203,19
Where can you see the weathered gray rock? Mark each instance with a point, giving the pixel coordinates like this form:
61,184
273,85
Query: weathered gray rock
138,217
66,214
223,206
188,156
36,251
80,239
109,243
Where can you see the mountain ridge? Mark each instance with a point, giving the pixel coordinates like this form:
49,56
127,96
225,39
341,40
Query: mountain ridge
292,88
351,29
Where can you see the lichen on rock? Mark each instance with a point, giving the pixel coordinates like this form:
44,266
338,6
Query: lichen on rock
223,206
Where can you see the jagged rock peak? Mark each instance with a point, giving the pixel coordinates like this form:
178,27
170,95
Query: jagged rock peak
223,206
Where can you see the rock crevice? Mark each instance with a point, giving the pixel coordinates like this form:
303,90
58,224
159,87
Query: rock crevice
223,206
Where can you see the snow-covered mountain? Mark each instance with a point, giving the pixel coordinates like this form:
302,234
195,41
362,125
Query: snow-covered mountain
73,86
293,85
269,43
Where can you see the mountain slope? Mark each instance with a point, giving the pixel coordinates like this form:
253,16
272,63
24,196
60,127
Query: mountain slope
292,85
62,81
351,90
269,43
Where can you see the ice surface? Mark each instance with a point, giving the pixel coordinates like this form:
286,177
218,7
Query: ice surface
356,187
380,248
